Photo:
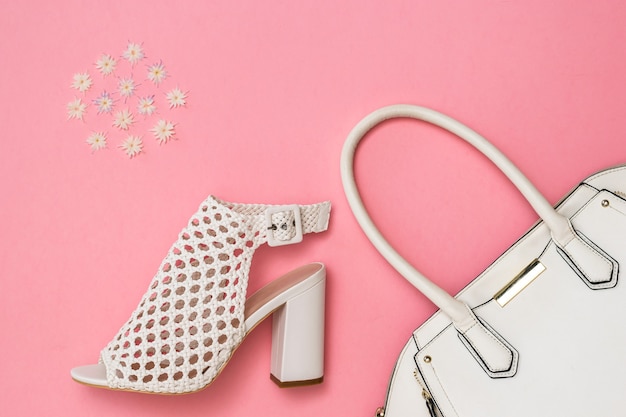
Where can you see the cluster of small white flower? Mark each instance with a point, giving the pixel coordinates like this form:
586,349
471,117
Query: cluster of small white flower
123,118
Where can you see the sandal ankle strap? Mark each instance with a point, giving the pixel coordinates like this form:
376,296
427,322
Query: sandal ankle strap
281,225
287,224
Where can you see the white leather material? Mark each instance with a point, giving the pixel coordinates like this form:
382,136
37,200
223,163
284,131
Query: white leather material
566,327
570,340
493,353
598,269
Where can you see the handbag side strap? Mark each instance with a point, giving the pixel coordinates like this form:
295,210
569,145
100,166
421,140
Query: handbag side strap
590,263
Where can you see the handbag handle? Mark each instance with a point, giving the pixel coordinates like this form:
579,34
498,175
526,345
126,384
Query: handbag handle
591,263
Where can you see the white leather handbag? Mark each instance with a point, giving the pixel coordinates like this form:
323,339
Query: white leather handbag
541,332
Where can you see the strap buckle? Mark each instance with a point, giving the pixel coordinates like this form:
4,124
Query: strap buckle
284,225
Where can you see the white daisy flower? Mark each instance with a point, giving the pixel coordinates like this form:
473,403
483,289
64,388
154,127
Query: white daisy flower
146,106
97,141
104,103
133,53
157,73
163,131
126,86
132,146
82,82
106,64
123,119
176,98
76,109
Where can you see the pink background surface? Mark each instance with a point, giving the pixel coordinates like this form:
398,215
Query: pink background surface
274,88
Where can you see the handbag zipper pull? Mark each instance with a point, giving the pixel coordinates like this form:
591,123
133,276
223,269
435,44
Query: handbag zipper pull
430,404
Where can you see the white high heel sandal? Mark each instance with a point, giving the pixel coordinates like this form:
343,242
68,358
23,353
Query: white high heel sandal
195,313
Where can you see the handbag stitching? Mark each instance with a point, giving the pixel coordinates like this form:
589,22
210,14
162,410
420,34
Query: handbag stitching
491,334
612,282
609,259
605,257
533,229
485,331
425,383
593,249
444,393
550,242
606,172
619,211
474,351
506,373
513,370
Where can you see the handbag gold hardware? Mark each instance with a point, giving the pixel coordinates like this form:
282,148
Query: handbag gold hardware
521,281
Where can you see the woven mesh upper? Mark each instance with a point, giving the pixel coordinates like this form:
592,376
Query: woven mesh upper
192,316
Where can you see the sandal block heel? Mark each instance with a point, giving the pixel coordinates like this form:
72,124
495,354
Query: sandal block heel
298,338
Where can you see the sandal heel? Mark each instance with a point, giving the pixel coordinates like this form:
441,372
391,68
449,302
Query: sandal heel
298,337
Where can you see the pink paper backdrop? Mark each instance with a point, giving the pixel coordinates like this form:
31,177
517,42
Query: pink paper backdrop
274,88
